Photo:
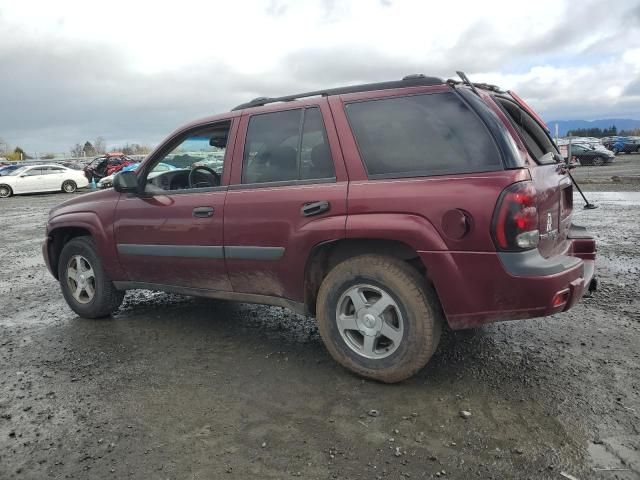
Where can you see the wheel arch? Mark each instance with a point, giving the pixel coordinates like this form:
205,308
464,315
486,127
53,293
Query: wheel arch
59,237
63,228
326,255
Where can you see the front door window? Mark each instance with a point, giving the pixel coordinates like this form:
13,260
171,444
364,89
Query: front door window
194,162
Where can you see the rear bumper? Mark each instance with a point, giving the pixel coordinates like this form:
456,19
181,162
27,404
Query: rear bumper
476,288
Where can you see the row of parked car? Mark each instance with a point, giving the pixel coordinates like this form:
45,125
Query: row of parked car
622,144
30,177
598,151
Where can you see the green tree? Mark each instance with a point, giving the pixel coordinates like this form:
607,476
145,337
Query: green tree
18,154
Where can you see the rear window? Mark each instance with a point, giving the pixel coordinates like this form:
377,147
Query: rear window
535,138
421,135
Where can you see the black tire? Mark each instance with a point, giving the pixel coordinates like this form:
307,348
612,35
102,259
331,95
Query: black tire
106,298
417,302
598,161
5,191
69,186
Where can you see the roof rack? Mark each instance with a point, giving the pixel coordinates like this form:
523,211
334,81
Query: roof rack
415,80
484,86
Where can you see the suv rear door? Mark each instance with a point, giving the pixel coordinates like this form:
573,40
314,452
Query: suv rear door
553,185
288,193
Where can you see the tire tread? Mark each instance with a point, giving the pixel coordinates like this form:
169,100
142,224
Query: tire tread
109,299
421,297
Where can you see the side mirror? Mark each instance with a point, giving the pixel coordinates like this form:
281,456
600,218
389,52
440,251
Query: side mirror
125,182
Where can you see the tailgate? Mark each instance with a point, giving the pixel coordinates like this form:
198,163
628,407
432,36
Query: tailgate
555,205
553,185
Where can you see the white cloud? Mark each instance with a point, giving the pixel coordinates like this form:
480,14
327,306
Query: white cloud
131,70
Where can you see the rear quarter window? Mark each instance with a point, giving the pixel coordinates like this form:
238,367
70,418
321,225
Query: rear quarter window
421,135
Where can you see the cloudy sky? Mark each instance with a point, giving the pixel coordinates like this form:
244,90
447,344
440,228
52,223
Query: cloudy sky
132,71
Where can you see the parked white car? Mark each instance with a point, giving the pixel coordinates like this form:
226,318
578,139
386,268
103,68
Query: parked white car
42,178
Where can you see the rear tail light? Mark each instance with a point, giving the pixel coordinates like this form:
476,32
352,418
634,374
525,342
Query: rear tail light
515,220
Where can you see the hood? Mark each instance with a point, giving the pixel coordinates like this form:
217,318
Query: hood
89,202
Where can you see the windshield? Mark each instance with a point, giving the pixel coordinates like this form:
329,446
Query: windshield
17,171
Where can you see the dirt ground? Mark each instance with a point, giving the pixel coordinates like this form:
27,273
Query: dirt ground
179,388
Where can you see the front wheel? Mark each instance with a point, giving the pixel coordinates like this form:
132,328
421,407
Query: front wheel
378,317
85,286
5,191
69,186
598,161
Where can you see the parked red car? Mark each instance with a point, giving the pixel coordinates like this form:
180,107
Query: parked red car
384,210
106,165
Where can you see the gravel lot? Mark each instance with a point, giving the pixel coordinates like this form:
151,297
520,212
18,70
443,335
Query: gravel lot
599,178
174,387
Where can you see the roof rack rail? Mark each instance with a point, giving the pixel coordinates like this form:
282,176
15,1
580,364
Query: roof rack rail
484,86
414,80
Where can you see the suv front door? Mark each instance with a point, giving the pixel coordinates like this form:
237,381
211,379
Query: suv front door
288,193
172,233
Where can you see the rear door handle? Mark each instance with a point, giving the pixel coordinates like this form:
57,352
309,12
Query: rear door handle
203,212
315,208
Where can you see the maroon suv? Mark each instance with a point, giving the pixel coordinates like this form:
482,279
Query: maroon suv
383,210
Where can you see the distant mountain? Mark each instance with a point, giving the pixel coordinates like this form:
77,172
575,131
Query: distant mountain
565,125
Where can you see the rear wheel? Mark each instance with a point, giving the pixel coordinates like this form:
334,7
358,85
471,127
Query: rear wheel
598,161
85,286
5,191
378,317
69,186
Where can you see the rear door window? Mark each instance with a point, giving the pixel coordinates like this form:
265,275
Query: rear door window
315,156
421,135
32,172
287,146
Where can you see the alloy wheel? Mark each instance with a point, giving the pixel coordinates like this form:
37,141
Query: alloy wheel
370,321
81,279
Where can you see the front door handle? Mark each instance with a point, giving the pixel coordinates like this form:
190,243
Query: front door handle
203,212
315,208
